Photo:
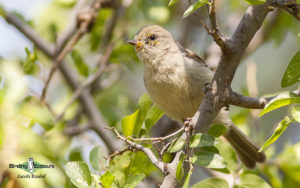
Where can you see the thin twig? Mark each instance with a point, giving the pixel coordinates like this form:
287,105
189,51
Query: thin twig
127,148
158,139
159,164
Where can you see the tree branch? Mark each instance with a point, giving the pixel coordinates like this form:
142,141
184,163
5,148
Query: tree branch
87,101
215,98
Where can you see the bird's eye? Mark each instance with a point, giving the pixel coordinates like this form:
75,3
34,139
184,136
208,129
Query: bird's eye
152,37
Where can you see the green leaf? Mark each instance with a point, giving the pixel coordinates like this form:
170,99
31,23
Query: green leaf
187,180
79,173
278,131
217,130
153,115
211,183
201,140
75,154
131,125
177,145
255,2
107,179
29,64
134,180
280,101
130,122
296,113
253,181
292,73
97,159
144,103
208,157
81,66
180,170
229,155
194,7
172,2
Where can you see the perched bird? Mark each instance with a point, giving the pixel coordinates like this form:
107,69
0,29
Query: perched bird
175,77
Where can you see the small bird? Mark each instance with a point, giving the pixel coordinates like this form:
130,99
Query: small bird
175,78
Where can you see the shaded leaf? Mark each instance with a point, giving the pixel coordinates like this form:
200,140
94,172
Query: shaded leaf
217,130
201,140
80,64
180,170
75,154
278,131
292,73
97,159
255,2
296,113
208,157
172,2
194,7
280,101
107,179
134,180
253,181
153,115
79,173
177,145
211,183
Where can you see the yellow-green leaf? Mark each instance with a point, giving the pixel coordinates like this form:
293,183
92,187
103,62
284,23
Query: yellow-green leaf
194,7
296,113
177,145
253,181
281,100
172,2
153,115
278,131
130,122
107,179
255,2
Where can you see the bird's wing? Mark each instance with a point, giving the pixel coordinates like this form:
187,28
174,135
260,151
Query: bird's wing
190,54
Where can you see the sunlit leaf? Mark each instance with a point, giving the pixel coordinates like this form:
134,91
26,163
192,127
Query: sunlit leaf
177,145
97,159
134,180
278,131
208,157
79,174
217,130
280,101
255,2
296,113
253,181
153,115
29,64
292,73
81,66
211,183
194,7
172,2
129,123
201,140
107,179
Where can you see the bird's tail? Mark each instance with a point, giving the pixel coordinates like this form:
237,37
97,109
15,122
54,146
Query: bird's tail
246,150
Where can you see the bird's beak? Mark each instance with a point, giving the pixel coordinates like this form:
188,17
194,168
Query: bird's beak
132,42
